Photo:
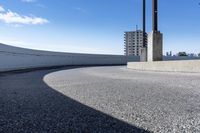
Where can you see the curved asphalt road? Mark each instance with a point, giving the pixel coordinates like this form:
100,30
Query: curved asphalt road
100,99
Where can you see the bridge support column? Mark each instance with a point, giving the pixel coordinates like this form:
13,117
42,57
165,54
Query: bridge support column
155,38
155,46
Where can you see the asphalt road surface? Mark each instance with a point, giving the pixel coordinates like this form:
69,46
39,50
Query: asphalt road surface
100,99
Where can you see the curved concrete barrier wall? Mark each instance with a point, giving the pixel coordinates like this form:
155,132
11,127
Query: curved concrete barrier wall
14,58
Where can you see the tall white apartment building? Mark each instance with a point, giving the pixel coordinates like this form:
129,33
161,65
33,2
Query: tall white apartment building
133,42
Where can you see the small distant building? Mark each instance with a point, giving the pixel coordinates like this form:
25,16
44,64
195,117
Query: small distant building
133,42
169,53
191,55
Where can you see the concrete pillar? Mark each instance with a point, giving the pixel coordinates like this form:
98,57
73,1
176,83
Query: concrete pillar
155,46
143,54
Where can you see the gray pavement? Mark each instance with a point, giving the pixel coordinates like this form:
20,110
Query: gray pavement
100,99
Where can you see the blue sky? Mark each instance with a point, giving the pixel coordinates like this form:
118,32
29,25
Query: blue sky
95,26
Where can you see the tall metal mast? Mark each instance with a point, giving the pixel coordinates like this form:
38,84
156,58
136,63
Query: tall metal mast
144,23
155,15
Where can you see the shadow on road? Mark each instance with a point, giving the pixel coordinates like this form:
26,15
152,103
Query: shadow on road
27,104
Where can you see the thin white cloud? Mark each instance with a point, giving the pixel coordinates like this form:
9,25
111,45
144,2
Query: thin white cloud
41,6
28,1
80,9
14,18
1,9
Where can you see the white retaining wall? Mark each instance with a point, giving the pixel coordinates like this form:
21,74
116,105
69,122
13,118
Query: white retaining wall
14,58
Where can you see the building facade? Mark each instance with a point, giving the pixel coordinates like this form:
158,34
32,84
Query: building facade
133,42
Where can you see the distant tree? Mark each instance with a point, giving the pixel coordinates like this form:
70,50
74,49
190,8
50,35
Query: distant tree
199,55
182,54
